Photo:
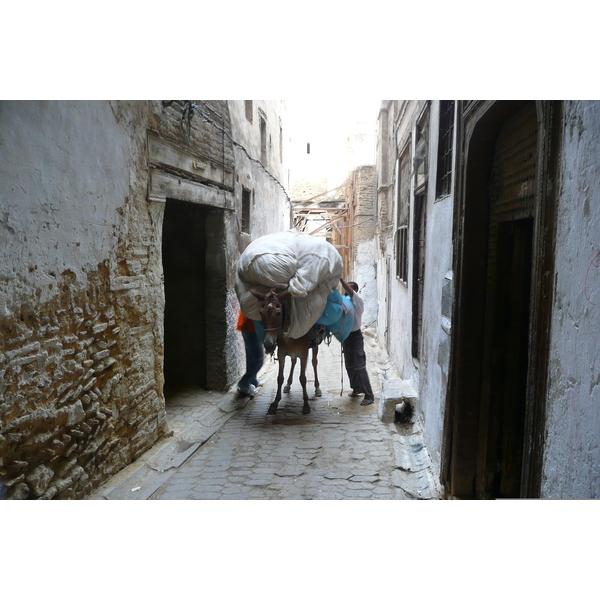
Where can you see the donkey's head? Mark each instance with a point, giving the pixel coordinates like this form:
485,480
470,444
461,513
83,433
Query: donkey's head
272,315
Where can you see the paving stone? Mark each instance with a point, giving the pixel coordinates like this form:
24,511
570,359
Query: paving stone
365,478
290,471
338,475
338,451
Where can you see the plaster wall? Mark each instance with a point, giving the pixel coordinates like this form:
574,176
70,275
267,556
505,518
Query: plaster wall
62,180
365,275
271,206
80,282
363,240
572,450
399,325
395,296
429,374
435,353
270,209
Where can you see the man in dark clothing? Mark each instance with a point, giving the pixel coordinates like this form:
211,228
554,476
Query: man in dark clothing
354,351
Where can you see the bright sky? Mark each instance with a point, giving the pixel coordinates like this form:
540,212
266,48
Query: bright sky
327,117
326,123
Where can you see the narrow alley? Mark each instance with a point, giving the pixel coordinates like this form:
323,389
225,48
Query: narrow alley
470,228
222,449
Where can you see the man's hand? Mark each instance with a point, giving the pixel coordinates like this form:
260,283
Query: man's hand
346,287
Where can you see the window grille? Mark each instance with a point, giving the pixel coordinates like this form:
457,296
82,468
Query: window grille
421,150
402,214
402,254
444,172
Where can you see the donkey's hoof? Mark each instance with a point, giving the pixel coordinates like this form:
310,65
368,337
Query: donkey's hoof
286,389
306,410
272,409
318,393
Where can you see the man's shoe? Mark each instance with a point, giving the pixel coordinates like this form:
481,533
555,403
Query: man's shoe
244,391
354,393
367,400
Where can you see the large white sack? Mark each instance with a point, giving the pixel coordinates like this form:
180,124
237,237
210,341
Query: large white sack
309,267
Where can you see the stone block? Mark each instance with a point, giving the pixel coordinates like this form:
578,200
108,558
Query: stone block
393,392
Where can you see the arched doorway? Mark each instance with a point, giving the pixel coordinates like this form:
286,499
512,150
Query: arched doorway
493,419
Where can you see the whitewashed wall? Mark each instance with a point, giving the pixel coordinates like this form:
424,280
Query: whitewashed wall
63,179
271,208
429,375
572,450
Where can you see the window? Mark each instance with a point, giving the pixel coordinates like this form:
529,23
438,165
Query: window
421,151
263,137
444,169
249,111
402,253
402,213
246,199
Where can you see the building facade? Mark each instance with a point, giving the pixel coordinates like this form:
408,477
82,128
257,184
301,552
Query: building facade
121,224
488,214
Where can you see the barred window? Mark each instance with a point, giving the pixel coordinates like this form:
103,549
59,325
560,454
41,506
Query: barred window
402,254
444,170
402,214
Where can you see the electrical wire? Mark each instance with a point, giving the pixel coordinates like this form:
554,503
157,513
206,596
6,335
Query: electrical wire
186,114
355,224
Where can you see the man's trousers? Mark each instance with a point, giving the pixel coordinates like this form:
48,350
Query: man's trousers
356,363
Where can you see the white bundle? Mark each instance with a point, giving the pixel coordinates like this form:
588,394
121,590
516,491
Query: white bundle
310,268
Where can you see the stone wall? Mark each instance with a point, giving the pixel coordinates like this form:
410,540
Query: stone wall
81,391
81,397
364,212
83,187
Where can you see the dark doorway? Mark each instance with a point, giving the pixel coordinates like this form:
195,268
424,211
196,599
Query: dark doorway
504,394
184,244
489,440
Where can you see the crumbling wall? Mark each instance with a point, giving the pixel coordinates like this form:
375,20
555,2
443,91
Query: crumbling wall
81,285
83,187
80,395
80,317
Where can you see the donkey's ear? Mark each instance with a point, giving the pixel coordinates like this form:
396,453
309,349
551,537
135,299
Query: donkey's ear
283,295
258,294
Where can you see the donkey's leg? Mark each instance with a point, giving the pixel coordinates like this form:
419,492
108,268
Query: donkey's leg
303,362
288,385
273,406
314,364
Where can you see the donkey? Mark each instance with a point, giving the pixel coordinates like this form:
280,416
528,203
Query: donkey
272,316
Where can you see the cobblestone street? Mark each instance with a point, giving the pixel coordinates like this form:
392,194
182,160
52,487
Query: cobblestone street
328,454
224,450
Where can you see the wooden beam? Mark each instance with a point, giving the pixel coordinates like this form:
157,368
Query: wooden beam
330,222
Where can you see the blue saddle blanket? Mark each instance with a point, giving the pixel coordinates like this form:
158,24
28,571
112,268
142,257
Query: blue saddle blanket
338,316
